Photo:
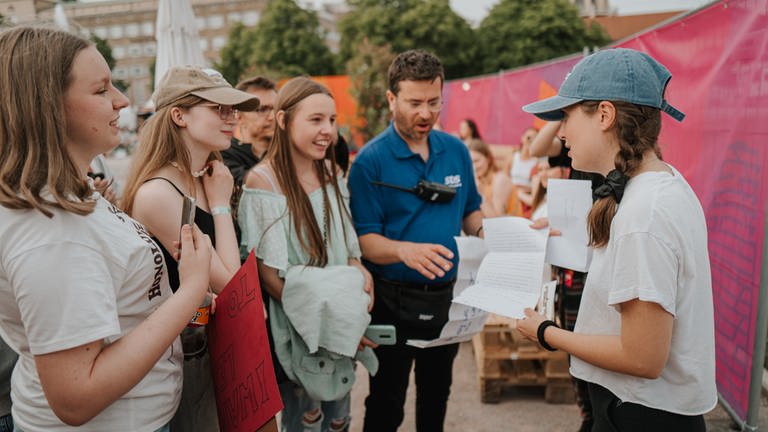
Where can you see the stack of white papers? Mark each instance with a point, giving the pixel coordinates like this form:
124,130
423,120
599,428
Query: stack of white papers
504,273
510,276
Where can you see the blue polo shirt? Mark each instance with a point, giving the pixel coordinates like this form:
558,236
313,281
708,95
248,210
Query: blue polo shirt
402,216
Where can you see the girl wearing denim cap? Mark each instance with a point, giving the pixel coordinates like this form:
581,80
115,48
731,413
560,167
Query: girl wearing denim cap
644,337
84,295
178,156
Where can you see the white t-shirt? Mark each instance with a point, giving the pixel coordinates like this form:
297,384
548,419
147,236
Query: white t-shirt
521,169
70,280
657,252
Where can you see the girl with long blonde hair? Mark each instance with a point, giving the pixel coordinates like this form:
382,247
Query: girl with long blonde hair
294,214
178,157
84,293
496,188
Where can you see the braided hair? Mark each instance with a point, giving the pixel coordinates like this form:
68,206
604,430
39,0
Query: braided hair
637,128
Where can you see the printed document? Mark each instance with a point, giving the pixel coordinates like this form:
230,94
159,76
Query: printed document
511,274
568,204
463,321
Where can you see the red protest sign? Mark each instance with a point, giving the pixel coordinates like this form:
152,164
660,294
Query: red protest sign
243,374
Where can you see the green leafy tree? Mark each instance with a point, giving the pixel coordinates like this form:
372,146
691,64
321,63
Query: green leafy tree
374,20
289,40
434,26
106,51
520,32
152,73
367,71
237,54
261,70
410,24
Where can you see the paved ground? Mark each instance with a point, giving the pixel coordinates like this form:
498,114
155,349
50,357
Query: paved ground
520,410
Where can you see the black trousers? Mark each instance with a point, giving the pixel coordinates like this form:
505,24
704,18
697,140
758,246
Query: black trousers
613,415
570,285
433,366
6,423
434,369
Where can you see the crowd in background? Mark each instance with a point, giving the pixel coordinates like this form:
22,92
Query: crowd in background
339,247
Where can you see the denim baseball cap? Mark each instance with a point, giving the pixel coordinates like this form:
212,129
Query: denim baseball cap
617,74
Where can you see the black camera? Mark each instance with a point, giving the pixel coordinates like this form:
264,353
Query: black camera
434,192
426,190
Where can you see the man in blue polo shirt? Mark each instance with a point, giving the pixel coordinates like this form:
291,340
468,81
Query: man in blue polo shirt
407,239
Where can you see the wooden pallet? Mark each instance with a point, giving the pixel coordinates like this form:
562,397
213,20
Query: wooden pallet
505,358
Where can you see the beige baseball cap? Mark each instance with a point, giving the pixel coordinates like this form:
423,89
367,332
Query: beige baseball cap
205,83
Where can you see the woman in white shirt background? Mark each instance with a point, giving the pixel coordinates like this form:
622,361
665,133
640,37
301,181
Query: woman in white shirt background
522,169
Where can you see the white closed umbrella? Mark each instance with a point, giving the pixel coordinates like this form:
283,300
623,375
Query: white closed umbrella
176,35
60,17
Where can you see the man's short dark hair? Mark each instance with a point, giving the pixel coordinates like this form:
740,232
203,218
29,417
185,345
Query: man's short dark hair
256,83
414,65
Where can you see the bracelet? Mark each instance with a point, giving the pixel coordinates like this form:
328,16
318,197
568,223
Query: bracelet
477,233
540,334
219,210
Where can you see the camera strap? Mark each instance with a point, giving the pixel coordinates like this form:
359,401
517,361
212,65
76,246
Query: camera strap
394,186
427,191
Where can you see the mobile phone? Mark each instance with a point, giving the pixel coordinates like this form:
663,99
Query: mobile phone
96,175
187,213
381,334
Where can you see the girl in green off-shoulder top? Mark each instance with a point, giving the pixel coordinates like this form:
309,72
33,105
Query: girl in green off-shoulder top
294,214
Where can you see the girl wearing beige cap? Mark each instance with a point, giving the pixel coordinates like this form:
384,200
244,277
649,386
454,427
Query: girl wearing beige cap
177,157
84,294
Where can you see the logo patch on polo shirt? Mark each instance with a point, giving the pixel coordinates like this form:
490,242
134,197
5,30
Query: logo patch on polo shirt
453,181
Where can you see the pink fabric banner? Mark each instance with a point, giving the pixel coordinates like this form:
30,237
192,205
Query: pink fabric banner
718,57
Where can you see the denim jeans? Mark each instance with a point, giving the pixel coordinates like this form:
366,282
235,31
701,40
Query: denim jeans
333,416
